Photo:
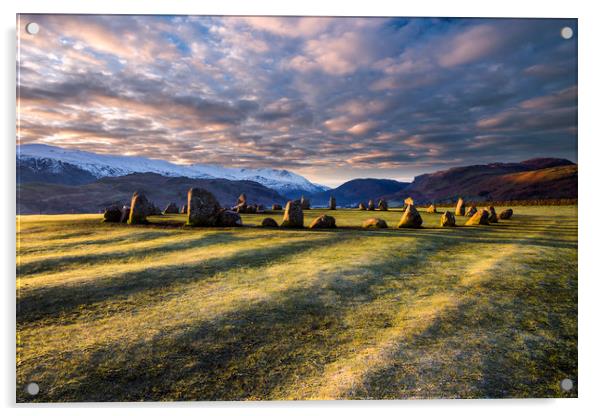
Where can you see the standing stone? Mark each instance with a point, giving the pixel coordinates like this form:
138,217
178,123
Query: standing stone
241,204
228,218
172,208
242,199
479,218
471,211
382,205
269,222
374,223
305,203
276,207
361,206
183,209
112,214
203,208
140,209
371,205
323,221
125,214
293,215
448,219
460,207
410,218
332,203
432,209
506,214
492,215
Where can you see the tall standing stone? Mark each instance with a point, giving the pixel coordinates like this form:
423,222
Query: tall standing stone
293,215
361,206
448,219
371,205
140,208
332,203
410,218
460,207
203,208
382,205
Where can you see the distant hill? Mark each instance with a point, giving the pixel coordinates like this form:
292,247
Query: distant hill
358,190
532,179
67,166
34,198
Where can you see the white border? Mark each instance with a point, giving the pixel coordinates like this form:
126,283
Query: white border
590,35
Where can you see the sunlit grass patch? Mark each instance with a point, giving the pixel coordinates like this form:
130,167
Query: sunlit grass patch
162,312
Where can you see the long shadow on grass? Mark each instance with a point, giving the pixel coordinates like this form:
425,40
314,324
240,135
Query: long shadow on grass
520,342
110,240
254,352
43,302
71,262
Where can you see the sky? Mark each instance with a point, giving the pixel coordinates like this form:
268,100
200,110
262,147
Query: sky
329,98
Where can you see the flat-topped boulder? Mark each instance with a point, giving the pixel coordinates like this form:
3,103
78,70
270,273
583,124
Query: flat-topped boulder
172,208
506,214
410,218
203,208
276,207
293,215
228,218
323,221
112,214
374,223
481,217
140,208
448,219
269,222
382,205
460,207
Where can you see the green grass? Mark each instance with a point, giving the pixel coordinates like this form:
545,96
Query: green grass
111,312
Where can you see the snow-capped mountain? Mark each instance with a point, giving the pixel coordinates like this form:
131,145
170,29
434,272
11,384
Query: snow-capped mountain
54,159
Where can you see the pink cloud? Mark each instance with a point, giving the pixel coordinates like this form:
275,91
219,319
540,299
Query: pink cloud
471,45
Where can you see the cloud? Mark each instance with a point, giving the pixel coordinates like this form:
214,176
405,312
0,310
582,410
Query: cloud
473,44
330,97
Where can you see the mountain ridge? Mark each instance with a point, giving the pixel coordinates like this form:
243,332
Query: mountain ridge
99,165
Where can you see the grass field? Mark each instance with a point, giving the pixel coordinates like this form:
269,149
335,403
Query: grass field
110,312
